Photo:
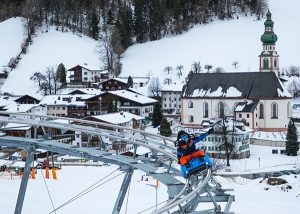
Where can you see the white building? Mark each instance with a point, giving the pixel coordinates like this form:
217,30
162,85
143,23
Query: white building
66,104
171,99
85,73
258,98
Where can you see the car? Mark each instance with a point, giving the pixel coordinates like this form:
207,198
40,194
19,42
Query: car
296,106
277,174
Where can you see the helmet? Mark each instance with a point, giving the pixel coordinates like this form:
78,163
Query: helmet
183,136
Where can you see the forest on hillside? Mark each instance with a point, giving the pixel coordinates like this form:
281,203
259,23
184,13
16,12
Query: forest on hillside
121,23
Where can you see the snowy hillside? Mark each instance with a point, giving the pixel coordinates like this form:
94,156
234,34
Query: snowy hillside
50,49
220,43
11,37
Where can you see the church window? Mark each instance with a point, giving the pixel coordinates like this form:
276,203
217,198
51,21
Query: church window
266,63
274,109
191,118
275,63
190,105
205,109
261,111
221,109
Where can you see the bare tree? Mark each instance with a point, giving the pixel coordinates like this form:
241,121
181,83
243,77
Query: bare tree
196,67
168,80
168,69
219,70
235,64
225,129
107,52
208,67
38,77
179,70
294,70
154,86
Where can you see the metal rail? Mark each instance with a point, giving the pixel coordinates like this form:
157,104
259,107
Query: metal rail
158,144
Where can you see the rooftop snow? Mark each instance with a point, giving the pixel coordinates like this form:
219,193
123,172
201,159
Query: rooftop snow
66,99
133,96
118,118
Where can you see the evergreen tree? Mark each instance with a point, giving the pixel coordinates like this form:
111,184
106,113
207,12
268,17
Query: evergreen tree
157,115
94,28
165,129
61,73
292,145
130,82
111,106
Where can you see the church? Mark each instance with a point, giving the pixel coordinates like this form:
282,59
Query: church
259,99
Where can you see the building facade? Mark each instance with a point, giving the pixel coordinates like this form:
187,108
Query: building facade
243,95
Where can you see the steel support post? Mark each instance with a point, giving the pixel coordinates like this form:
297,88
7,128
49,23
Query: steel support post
24,182
122,192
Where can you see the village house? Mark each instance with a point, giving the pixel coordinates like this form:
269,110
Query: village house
171,99
111,84
120,100
123,119
66,105
27,99
83,75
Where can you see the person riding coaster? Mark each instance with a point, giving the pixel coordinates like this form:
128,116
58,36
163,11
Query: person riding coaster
186,148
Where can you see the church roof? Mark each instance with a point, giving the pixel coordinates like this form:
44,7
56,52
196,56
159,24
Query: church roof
249,85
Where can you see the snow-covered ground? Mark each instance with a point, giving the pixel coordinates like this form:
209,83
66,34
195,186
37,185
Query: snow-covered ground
250,194
262,160
49,50
12,36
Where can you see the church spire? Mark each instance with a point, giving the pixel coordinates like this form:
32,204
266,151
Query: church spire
269,59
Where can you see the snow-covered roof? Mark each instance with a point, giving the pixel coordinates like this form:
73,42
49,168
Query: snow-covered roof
176,86
5,100
16,126
250,85
66,99
14,107
118,118
87,66
92,91
115,78
141,150
273,136
248,106
133,96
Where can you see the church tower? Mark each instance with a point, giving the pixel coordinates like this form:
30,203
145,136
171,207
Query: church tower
269,59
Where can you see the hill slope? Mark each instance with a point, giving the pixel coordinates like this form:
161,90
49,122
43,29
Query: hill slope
219,44
50,49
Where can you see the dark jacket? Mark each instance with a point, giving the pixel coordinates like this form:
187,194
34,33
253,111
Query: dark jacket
183,149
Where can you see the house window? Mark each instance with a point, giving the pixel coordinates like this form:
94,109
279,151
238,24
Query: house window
240,115
221,109
205,109
191,118
247,115
85,73
190,104
274,151
274,109
261,111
